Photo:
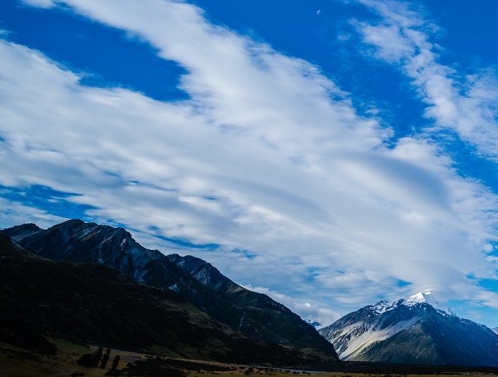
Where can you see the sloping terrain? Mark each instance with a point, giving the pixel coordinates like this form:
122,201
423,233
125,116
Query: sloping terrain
255,315
412,332
93,304
18,363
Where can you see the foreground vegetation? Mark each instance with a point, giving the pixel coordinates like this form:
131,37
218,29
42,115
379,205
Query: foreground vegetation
18,362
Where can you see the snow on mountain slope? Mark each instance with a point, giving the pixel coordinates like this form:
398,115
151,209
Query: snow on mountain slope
417,331
369,336
427,297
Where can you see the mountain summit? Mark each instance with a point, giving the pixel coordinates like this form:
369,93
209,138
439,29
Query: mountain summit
428,298
413,331
84,303
252,314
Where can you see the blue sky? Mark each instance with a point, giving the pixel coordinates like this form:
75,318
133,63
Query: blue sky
328,153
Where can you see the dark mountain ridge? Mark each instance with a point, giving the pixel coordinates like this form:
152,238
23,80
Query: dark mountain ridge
254,315
92,303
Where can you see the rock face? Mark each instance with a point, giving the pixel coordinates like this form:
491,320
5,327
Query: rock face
80,302
255,315
413,331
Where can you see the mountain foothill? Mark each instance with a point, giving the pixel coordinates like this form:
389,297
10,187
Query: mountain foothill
94,284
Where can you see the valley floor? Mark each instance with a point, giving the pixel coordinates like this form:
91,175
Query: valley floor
16,362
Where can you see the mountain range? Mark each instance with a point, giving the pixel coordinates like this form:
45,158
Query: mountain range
94,283
239,316
42,300
412,331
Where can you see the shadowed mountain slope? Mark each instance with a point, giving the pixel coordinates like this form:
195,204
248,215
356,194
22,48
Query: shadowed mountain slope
94,304
255,315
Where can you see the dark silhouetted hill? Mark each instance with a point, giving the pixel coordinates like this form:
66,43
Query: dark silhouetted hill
106,251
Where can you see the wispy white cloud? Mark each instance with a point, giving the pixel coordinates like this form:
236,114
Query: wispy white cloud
40,3
464,103
308,310
15,213
267,155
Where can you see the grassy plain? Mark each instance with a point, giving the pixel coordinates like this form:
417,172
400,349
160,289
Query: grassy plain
17,362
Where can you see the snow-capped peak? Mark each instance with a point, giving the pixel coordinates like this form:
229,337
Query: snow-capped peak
421,297
425,297
428,298
383,306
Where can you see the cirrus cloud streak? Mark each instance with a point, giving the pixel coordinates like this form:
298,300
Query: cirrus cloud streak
268,155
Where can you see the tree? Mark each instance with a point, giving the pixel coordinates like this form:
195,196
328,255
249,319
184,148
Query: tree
91,359
115,362
105,358
97,355
86,360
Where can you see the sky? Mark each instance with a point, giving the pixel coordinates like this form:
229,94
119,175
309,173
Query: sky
328,153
